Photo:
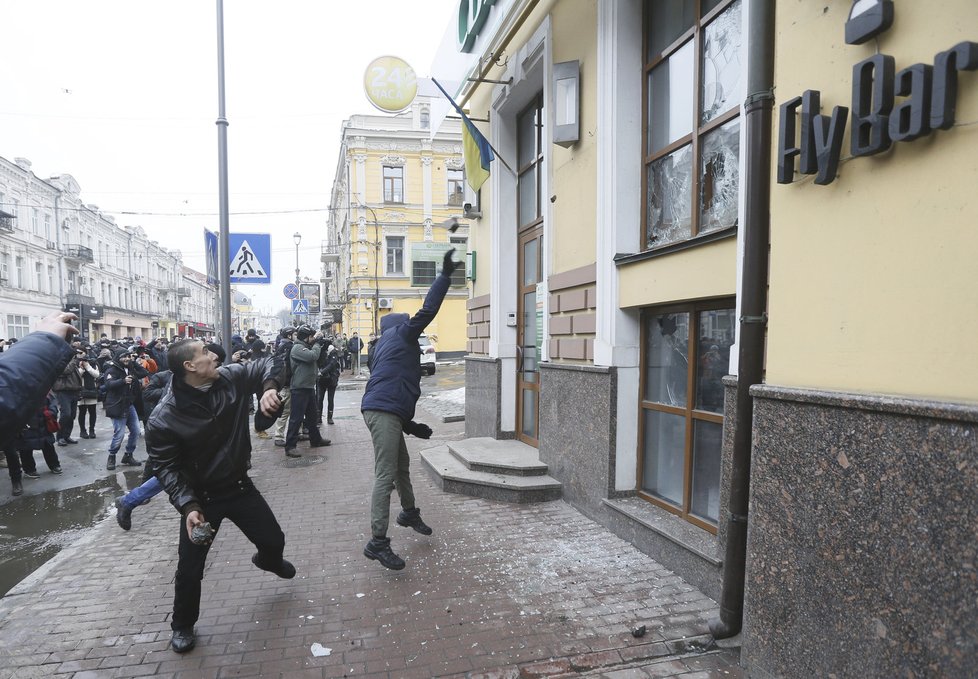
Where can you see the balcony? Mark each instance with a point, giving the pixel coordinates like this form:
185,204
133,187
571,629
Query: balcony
183,292
329,254
80,253
6,222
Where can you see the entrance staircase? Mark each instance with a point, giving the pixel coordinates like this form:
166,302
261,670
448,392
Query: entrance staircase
492,469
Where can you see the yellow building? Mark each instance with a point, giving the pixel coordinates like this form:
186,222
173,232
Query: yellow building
395,186
738,332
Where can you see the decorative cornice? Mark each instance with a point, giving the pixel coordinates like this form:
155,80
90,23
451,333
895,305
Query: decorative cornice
393,161
455,163
394,216
426,161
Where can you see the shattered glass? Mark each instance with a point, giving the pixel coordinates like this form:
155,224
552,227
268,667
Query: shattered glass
669,210
722,86
719,177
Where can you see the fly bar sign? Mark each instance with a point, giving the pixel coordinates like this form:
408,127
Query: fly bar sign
929,99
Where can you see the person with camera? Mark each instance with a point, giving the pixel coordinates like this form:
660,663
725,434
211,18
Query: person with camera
122,394
329,379
283,349
388,408
304,358
67,390
88,397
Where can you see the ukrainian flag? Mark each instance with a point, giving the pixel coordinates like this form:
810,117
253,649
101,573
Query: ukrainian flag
475,148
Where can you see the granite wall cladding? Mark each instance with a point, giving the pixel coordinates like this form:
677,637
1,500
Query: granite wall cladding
482,401
863,538
578,406
726,460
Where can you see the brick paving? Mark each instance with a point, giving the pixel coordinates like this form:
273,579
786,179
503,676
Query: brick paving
499,591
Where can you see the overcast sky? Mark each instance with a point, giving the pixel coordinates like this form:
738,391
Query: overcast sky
122,95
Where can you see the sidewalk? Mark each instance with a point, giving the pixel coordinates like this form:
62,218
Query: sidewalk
499,591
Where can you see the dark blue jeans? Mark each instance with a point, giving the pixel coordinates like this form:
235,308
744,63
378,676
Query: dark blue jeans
68,407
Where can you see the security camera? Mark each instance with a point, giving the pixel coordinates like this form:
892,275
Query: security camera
466,207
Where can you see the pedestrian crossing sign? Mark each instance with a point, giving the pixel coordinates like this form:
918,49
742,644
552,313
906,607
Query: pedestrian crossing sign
300,306
250,257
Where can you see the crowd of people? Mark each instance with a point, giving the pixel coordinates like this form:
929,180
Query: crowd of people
196,407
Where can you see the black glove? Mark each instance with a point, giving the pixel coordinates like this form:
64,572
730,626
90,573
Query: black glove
422,431
448,266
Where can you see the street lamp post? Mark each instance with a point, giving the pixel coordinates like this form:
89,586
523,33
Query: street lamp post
297,237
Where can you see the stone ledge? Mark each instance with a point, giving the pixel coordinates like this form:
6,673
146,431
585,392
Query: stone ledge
943,410
455,477
509,458
695,540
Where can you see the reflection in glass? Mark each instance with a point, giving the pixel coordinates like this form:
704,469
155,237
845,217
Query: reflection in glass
668,19
721,87
529,331
530,257
663,457
669,193
716,335
719,177
529,413
528,196
671,99
705,499
527,142
666,370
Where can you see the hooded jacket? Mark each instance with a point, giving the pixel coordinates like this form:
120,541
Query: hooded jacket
70,378
395,374
200,441
119,395
27,371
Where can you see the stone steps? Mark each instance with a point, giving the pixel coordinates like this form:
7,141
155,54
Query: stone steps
509,471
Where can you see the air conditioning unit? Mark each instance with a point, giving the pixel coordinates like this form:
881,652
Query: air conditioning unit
52,245
385,303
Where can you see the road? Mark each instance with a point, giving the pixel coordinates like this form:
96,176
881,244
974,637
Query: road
54,510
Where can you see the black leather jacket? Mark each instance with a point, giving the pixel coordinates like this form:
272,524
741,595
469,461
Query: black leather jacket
201,440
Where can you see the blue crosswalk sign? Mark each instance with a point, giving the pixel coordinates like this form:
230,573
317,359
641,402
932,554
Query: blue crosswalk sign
250,257
300,306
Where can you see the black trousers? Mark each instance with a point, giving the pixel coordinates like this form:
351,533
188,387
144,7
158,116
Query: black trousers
322,391
303,409
51,458
245,508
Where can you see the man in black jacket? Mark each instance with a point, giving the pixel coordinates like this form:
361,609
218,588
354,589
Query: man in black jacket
122,392
199,443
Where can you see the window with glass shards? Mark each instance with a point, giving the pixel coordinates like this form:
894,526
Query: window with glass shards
693,90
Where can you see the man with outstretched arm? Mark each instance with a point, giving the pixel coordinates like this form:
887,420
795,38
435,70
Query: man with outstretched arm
388,409
199,442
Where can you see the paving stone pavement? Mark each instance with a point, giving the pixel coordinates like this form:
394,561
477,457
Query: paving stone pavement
499,591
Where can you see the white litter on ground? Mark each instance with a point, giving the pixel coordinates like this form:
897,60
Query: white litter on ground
319,650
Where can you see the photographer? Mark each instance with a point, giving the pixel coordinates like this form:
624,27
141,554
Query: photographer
67,390
88,398
329,379
303,359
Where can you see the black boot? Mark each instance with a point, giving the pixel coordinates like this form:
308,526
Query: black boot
110,464
91,432
411,518
183,640
329,417
84,434
284,570
379,549
129,461
18,487
123,515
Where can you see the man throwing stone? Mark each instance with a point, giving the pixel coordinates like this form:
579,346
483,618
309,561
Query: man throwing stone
199,443
388,409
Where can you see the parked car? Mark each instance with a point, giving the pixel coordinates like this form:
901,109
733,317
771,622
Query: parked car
428,355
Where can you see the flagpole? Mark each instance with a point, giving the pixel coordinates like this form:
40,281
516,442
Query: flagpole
457,108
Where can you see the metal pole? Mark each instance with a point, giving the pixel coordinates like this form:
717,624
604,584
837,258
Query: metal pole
223,256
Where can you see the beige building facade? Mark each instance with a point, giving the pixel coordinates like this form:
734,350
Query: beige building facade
395,185
744,377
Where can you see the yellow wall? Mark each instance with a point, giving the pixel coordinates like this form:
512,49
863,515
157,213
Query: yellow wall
697,273
574,170
874,278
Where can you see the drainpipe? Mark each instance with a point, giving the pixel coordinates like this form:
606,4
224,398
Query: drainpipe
753,303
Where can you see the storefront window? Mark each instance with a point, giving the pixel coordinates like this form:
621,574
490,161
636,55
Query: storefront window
694,86
685,354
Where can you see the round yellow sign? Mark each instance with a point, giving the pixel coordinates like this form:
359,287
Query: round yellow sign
390,84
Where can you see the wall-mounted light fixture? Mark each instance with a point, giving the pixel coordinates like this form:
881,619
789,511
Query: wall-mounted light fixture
867,19
567,103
